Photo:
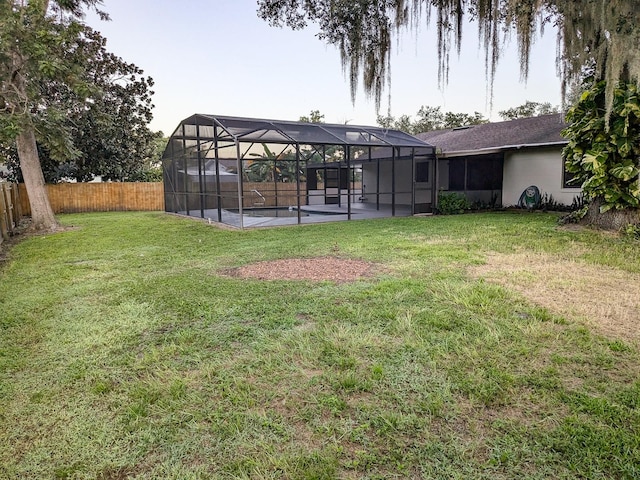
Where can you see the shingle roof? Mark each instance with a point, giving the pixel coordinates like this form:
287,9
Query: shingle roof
534,131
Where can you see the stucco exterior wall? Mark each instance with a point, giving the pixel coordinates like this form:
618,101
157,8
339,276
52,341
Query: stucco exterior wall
540,167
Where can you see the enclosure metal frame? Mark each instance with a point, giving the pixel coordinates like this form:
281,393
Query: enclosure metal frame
202,133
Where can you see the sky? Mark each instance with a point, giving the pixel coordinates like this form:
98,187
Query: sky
218,57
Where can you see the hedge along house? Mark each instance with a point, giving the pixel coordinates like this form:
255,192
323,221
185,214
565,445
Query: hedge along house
494,163
250,172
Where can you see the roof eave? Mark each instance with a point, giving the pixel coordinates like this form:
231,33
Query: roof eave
504,148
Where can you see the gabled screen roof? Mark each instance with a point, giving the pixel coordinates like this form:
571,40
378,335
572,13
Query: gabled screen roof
277,131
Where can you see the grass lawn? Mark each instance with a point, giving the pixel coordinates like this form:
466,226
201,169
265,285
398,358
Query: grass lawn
482,347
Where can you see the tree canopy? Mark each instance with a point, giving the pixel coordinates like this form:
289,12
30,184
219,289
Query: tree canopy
314,117
36,41
109,130
604,160
430,118
604,33
41,43
528,109
67,104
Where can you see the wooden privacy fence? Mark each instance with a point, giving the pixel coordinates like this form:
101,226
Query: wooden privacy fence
100,197
10,211
280,194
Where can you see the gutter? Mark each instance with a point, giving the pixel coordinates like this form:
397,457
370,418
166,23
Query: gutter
480,151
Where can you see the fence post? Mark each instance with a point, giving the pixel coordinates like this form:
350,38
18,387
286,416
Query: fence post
4,227
9,206
17,206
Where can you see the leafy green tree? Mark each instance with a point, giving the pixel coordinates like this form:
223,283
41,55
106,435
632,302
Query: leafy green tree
403,123
110,132
605,159
430,118
152,166
272,167
35,39
453,120
314,117
8,155
528,109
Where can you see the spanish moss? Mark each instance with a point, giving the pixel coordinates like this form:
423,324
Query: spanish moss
604,34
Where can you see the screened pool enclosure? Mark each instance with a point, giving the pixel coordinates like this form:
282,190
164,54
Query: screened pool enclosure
248,172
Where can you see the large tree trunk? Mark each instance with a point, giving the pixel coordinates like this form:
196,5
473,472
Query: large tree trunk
42,215
612,219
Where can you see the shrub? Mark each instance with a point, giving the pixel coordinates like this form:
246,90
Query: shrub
632,231
450,203
603,149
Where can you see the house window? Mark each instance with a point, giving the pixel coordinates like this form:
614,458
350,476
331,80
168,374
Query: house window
476,173
422,172
484,173
456,175
569,179
332,177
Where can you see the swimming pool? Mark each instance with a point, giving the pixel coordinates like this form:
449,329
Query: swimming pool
276,212
285,212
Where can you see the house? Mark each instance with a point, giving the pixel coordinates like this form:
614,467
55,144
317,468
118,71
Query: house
494,163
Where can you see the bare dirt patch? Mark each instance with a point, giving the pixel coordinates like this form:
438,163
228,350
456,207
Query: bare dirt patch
605,298
315,269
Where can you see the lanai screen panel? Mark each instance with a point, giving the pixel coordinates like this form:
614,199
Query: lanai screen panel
241,171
